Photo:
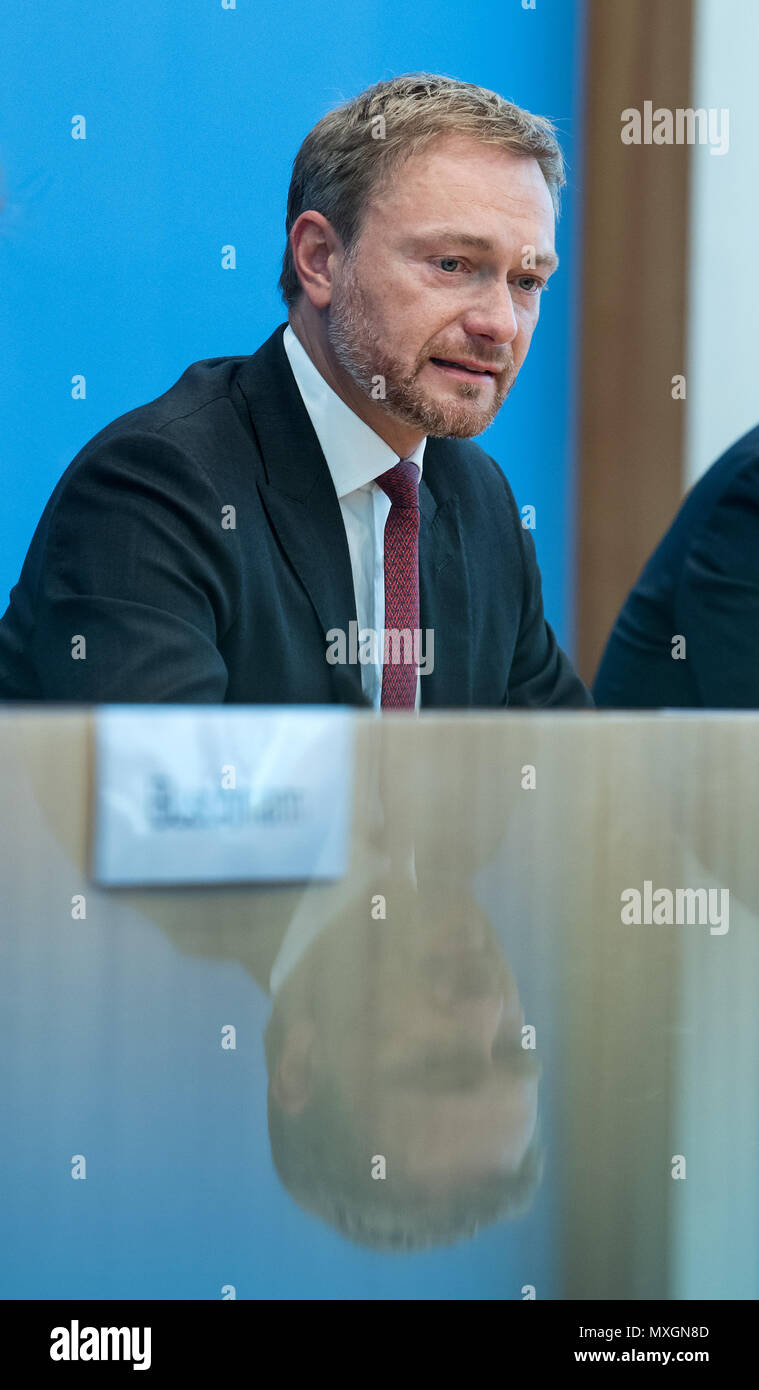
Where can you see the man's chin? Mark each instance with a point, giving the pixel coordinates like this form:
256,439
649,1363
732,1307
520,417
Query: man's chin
452,422
464,429
452,416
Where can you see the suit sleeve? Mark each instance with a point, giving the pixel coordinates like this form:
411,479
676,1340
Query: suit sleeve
717,601
136,580
541,673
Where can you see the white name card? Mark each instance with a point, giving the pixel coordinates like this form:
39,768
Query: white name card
189,794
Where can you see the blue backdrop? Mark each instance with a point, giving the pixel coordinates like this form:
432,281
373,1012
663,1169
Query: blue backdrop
110,246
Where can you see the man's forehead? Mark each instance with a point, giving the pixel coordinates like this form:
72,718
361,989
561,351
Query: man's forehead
439,190
462,159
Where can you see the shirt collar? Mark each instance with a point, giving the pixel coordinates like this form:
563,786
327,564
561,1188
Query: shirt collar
355,454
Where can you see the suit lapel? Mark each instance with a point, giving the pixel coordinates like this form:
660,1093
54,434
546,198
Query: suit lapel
302,505
300,498
444,595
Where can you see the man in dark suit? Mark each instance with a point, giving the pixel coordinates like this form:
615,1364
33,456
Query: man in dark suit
311,524
687,634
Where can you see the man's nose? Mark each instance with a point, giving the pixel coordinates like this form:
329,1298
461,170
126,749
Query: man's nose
493,316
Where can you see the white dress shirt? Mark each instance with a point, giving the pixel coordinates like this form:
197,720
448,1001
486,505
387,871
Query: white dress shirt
355,456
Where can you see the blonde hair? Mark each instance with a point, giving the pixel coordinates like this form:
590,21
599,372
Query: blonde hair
356,146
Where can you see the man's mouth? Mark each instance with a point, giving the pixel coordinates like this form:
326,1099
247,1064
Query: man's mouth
462,369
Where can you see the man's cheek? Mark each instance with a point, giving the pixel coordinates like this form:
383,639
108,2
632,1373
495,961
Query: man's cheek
522,342
405,322
529,324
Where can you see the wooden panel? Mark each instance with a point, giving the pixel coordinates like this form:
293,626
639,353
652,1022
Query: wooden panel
634,272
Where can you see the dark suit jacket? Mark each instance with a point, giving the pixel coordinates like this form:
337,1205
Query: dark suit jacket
701,583
131,553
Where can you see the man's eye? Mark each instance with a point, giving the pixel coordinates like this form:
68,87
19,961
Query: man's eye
530,284
449,263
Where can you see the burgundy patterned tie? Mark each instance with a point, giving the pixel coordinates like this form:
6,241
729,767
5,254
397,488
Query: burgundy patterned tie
401,484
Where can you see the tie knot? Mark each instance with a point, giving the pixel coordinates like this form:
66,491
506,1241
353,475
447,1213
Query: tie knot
401,483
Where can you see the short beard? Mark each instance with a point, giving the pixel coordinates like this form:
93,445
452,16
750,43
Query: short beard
354,337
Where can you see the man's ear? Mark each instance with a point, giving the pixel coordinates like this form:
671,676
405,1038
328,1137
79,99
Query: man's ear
314,243
292,1083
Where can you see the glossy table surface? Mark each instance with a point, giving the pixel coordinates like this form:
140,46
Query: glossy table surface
469,1076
